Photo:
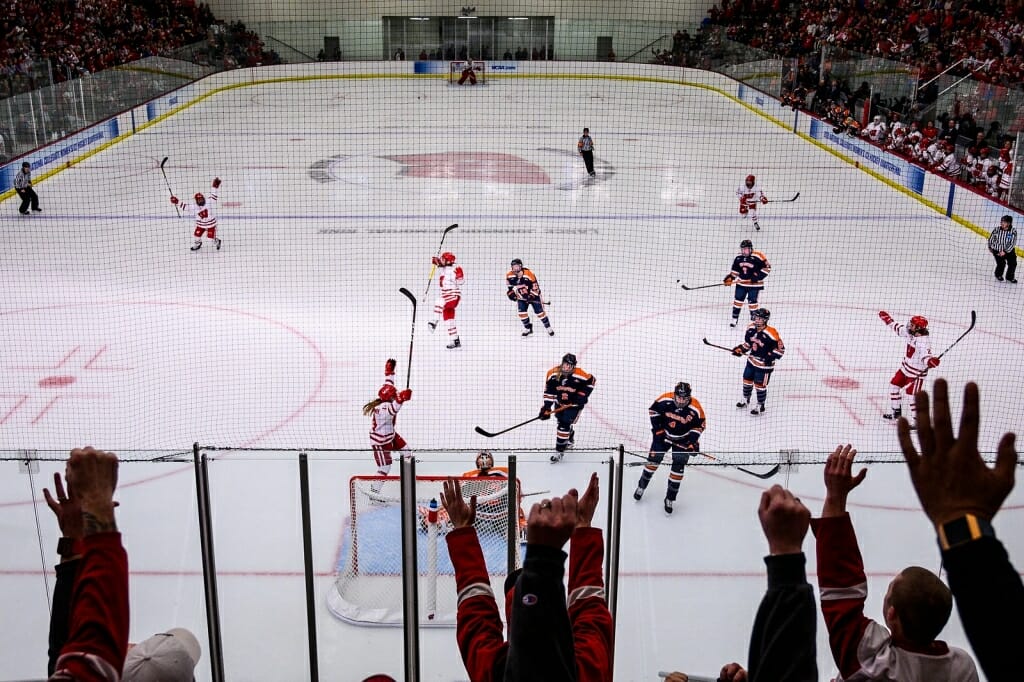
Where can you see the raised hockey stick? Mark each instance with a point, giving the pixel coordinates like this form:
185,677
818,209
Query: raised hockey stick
433,267
784,201
412,333
767,474
702,286
715,345
974,318
162,164
492,434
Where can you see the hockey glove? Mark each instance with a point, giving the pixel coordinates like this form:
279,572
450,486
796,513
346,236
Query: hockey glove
728,280
435,260
737,351
174,199
933,362
886,317
743,209
511,295
545,413
216,183
764,199
404,396
689,439
389,366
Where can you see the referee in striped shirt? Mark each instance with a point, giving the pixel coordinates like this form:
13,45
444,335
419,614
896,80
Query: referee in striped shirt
1002,243
23,186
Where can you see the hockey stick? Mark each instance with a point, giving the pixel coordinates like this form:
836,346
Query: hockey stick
412,333
703,286
490,434
974,318
162,164
768,474
715,345
784,201
433,267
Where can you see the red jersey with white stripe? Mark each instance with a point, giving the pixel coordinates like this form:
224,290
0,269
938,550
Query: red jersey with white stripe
206,216
919,350
450,279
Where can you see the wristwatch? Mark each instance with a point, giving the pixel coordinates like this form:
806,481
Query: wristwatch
963,530
66,547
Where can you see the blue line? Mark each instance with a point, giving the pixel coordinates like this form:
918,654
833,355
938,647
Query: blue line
888,217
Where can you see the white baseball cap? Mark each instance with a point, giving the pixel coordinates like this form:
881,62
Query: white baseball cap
165,657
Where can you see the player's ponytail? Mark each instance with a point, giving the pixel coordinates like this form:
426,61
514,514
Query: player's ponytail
369,407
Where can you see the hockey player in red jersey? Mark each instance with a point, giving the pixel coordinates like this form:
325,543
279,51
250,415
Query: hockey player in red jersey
468,74
567,389
524,290
384,439
764,347
750,194
749,270
204,209
450,280
677,421
917,360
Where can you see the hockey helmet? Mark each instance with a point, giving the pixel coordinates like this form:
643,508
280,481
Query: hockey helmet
447,258
761,314
387,392
919,322
751,180
746,244
517,261
200,199
568,361
484,461
682,392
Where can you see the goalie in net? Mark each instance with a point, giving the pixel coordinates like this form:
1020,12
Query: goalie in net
467,72
368,586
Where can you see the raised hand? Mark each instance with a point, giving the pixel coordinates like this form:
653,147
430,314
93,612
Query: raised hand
587,504
949,475
784,520
551,522
92,474
839,479
460,513
66,508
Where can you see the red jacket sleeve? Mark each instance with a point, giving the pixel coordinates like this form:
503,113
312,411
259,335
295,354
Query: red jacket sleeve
843,587
479,630
592,627
98,630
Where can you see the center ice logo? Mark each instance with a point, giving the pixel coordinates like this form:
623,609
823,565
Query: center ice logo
366,170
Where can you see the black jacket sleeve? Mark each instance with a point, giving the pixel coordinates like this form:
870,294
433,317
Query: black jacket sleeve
541,647
985,585
782,643
62,589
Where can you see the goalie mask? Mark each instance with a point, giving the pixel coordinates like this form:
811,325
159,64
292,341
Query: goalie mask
484,461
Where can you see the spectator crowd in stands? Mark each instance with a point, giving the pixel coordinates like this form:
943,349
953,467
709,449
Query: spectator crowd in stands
86,36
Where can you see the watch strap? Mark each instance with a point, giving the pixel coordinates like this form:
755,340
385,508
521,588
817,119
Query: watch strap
962,530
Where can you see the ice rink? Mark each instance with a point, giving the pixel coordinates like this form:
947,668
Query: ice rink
335,194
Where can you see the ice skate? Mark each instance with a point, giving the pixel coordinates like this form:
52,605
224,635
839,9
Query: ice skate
432,325
551,332
668,506
756,226
557,457
758,410
734,322
454,344
741,404
196,246
638,493
217,245
528,331
894,415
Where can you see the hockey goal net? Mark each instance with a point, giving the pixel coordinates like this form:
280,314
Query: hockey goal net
458,67
368,587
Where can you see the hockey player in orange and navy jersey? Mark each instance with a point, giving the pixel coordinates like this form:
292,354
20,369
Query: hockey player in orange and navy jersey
566,390
749,270
524,289
677,421
763,347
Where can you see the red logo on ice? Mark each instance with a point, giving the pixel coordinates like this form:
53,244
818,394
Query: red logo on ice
479,166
